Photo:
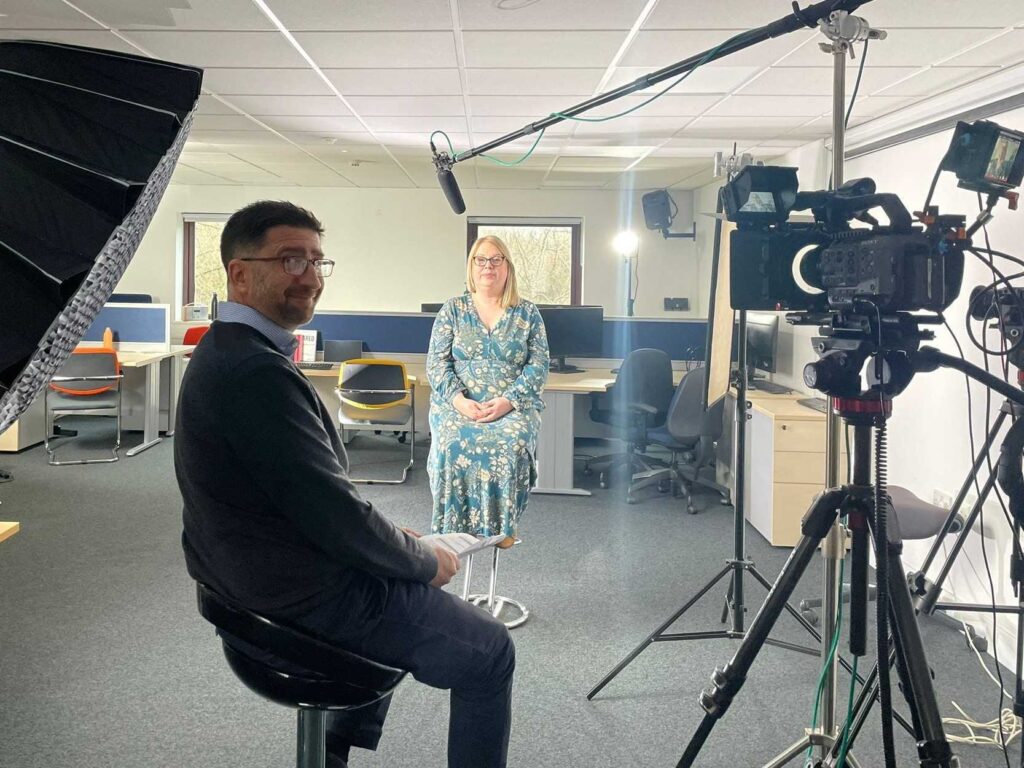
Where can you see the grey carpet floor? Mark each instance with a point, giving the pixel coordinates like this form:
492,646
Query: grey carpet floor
104,661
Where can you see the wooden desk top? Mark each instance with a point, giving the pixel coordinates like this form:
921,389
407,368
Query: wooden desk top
142,359
8,529
580,382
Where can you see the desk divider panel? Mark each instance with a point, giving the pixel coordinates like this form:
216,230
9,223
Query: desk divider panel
410,333
136,327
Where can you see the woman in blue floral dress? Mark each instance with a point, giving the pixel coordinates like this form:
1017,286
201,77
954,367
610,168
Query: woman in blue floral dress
487,364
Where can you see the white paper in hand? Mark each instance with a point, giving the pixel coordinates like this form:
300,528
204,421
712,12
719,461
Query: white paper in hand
461,544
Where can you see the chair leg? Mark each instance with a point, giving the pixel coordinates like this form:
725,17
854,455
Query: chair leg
311,749
496,604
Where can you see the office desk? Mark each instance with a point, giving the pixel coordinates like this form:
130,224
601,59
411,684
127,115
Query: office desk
555,443
8,529
150,361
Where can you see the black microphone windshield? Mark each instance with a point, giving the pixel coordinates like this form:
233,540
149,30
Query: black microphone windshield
450,187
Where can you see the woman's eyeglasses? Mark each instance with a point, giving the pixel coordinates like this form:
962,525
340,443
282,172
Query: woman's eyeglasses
297,265
494,261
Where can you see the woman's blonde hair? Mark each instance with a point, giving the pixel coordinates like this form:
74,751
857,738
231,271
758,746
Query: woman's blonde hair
510,297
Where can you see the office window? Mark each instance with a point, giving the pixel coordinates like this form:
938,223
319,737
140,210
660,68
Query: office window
204,272
546,253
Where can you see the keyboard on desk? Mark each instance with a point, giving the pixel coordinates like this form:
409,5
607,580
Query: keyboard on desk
770,388
317,365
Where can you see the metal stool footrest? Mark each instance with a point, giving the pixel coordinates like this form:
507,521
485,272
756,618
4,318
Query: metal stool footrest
509,612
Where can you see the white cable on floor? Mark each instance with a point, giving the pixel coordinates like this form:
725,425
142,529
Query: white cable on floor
1009,723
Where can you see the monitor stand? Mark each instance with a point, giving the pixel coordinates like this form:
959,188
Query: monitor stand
558,365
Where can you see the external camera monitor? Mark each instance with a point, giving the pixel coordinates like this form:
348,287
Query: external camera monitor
760,195
985,157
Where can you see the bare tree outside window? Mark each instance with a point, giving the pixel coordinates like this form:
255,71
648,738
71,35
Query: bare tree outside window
546,258
204,272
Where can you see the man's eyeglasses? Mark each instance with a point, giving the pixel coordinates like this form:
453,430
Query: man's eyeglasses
494,261
297,265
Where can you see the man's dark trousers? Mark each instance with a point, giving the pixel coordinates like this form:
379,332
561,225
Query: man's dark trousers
443,642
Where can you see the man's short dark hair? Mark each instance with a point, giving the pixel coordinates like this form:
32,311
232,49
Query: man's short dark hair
247,228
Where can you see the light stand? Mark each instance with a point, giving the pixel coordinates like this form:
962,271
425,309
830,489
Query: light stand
627,245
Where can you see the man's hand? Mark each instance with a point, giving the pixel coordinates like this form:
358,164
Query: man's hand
471,409
447,567
495,409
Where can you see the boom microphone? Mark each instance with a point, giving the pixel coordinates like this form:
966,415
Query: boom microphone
446,179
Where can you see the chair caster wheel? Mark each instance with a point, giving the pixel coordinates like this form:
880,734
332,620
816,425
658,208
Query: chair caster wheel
811,616
603,479
691,509
402,438
631,499
664,486
587,471
725,502
376,431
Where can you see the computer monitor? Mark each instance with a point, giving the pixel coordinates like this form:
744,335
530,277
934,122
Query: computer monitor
431,308
762,337
572,332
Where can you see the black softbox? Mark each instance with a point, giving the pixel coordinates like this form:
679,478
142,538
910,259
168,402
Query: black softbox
88,141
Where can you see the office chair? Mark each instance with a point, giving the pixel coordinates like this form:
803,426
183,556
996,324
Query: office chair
689,432
337,351
193,335
90,380
326,678
377,393
636,402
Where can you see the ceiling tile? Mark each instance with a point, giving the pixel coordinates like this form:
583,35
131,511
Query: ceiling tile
306,15
944,13
424,125
592,163
387,50
176,14
221,49
211,106
313,123
34,15
257,82
935,80
541,49
902,48
367,106
817,81
561,15
761,106
526,81
291,105
393,82
740,14
231,122
1005,49
503,125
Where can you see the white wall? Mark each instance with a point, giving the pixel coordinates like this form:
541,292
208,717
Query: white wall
398,248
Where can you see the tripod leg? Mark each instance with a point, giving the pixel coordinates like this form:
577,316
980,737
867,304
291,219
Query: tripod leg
727,681
728,601
932,746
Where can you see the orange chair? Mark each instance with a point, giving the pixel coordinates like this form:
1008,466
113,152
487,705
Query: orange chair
193,334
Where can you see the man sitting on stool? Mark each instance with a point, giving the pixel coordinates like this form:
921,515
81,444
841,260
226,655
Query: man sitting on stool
272,522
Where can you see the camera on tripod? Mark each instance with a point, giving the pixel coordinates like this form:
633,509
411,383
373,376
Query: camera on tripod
826,265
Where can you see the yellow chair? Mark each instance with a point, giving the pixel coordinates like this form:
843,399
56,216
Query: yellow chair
377,393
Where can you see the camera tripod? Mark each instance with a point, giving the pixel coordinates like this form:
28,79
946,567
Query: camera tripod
855,502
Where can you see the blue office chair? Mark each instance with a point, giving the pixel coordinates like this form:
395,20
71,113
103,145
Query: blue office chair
327,678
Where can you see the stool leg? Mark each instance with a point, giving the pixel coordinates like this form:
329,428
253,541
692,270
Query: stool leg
469,576
494,580
312,745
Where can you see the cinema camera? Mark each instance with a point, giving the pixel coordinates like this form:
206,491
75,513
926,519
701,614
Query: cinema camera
826,265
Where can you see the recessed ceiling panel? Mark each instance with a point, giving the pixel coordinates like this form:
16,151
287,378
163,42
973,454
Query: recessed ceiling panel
387,50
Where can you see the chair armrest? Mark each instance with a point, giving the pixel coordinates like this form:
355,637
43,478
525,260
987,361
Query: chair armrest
347,391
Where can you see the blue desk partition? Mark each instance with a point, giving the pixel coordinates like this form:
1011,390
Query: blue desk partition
132,324
410,333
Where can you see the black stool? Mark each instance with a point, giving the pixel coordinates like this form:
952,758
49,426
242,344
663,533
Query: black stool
331,678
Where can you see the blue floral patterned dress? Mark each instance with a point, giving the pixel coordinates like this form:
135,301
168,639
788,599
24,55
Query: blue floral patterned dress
481,474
